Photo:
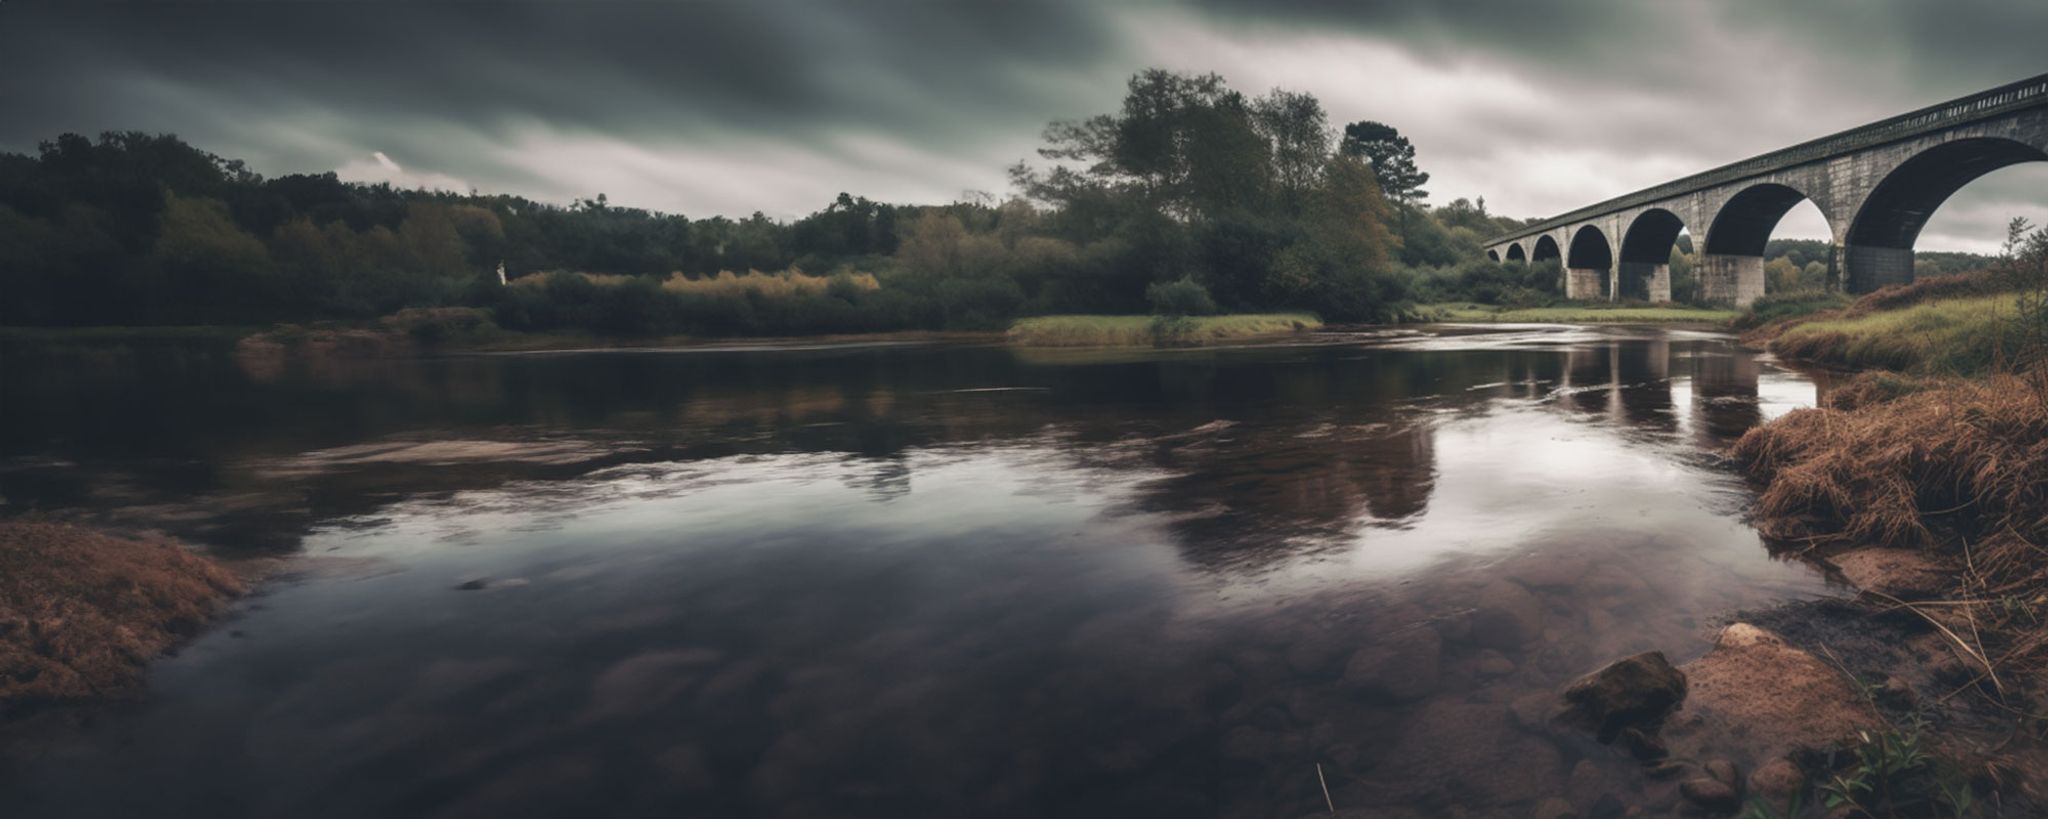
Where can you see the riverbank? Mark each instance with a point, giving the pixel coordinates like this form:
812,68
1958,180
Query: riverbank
462,330
1922,483
1574,314
1155,331
83,611
468,330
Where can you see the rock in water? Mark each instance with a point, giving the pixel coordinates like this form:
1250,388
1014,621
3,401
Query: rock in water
1507,617
1401,667
1632,692
1554,808
1711,794
1778,781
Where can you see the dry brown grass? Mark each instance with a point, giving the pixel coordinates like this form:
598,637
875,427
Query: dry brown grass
1954,466
82,611
781,285
1969,455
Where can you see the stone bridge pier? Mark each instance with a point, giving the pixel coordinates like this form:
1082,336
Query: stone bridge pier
1875,185
1730,279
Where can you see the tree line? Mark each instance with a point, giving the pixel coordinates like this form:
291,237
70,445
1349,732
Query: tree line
1191,193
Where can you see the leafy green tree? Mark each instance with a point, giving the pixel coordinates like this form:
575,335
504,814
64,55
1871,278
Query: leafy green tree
1350,246
1781,275
1181,297
1685,286
1299,134
1813,277
1391,156
209,264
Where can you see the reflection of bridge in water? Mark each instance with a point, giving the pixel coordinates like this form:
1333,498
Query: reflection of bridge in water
1276,484
1649,385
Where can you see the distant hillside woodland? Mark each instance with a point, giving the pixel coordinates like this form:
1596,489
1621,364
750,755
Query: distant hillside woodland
1191,189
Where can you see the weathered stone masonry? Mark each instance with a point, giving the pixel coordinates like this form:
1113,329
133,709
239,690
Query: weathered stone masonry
1876,185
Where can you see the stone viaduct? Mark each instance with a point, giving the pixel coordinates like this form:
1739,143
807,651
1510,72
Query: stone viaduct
1876,185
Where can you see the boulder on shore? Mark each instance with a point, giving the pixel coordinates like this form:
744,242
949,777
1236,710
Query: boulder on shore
1906,574
1756,698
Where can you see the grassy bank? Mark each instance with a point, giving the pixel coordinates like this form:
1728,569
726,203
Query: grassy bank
1785,307
81,610
1155,331
217,332
1574,314
1951,325
1924,481
465,329
1962,336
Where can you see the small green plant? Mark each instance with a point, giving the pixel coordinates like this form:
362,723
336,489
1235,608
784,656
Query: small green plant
1757,808
2023,265
1891,773
1884,760
1180,298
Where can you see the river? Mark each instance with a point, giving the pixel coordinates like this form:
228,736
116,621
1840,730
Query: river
895,580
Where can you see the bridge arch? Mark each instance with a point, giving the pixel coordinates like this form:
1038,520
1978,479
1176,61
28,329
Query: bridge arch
1546,248
1743,225
1516,254
1493,255
1644,269
1730,265
1880,239
1587,261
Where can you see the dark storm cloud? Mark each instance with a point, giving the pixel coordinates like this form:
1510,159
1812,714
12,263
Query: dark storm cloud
767,63
1911,46
427,81
778,104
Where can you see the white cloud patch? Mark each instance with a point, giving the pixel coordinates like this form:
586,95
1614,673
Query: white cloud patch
382,168
783,179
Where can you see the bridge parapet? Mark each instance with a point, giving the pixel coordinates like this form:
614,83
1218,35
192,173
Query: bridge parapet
2006,99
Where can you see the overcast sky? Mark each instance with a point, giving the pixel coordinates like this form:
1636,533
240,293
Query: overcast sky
716,107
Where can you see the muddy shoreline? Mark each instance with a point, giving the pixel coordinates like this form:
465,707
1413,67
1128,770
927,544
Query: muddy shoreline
1919,695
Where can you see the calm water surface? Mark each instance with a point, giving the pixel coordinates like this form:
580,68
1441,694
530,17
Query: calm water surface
897,580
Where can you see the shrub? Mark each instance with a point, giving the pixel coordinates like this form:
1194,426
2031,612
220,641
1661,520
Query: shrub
1182,297
635,307
785,284
979,303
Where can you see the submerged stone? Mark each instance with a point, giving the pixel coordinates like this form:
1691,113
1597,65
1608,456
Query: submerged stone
1507,617
1403,667
1630,692
1711,794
